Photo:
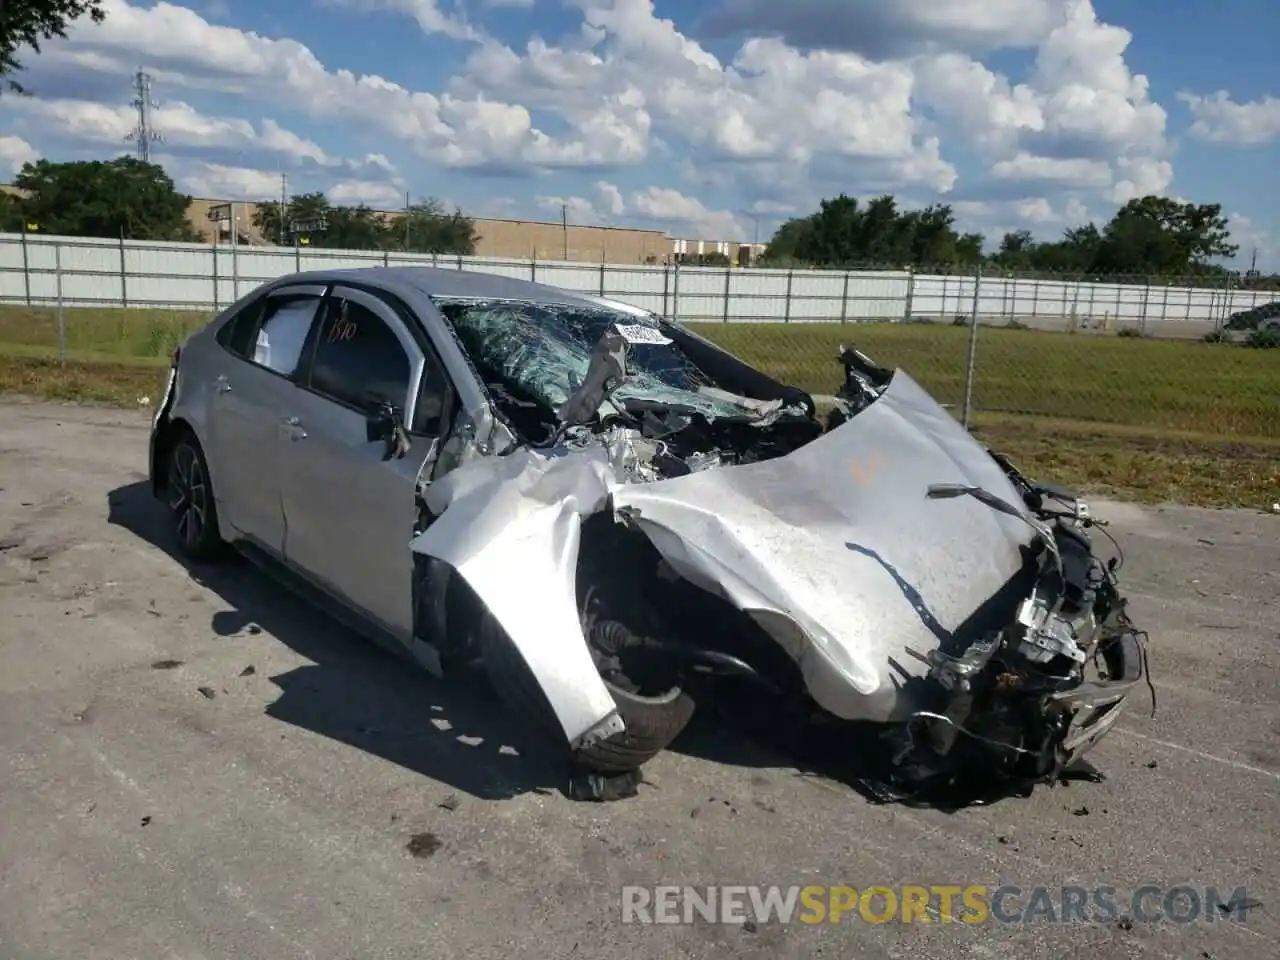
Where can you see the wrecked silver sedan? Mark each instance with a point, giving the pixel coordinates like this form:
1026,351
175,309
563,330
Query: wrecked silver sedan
611,512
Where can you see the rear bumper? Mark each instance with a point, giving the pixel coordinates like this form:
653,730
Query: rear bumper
155,447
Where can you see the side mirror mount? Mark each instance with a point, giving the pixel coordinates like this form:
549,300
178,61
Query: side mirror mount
384,423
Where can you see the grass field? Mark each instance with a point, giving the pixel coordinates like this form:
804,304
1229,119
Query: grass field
1150,419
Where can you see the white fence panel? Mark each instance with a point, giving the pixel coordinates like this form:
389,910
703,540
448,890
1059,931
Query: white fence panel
98,272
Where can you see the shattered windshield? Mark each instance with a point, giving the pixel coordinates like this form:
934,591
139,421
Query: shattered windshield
543,349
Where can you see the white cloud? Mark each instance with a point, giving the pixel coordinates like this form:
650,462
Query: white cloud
1140,177
1024,166
1219,119
611,197
427,13
183,49
1254,238
575,209
14,152
179,124
879,29
380,196
222,182
818,97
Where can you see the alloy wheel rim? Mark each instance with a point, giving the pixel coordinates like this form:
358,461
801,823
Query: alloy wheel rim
189,499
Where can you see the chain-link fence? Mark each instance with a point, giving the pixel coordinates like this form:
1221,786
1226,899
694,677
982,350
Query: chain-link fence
990,344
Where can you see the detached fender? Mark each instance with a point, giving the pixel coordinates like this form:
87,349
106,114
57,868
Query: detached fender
511,527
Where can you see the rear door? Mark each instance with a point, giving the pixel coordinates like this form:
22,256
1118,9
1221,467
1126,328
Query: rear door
350,513
254,399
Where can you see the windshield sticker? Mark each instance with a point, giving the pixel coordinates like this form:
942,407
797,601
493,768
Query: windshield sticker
638,333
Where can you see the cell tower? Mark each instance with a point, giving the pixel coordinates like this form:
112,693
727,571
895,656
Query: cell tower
143,134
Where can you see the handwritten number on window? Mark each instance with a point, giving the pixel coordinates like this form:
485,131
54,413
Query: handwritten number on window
342,329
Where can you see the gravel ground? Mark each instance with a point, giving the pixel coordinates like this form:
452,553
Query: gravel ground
162,799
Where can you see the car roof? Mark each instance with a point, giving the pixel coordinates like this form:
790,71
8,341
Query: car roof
444,282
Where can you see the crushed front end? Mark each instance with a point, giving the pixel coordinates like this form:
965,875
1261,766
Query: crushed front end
1023,703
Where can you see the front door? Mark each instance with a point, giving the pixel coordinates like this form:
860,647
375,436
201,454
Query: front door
350,513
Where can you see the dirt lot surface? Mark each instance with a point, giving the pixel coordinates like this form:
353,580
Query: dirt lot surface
271,815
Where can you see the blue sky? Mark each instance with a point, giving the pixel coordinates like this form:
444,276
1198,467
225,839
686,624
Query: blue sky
708,119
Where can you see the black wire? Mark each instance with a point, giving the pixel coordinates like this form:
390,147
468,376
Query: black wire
1115,543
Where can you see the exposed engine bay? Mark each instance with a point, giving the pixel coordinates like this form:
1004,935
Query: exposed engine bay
695,523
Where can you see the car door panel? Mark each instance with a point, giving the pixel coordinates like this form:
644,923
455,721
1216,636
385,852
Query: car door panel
251,395
349,513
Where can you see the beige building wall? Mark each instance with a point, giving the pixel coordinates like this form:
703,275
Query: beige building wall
515,239
525,239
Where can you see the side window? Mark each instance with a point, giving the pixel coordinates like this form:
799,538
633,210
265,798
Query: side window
358,358
285,322
270,332
237,333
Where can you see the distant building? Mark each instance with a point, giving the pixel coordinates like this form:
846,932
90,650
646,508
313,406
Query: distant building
513,239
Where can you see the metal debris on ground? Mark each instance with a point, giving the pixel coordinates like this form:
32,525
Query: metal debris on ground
207,692
603,787
248,671
166,664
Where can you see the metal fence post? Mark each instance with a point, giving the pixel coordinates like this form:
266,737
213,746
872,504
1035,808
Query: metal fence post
1218,321
26,266
62,326
533,267
602,272
675,294
297,253
911,292
124,276
790,278
728,280
973,349
386,255
1146,296
235,272
666,283
216,292
844,299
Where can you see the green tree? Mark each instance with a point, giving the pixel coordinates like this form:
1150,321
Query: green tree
10,213
28,22
425,227
303,208
1158,235
844,233
354,228
104,198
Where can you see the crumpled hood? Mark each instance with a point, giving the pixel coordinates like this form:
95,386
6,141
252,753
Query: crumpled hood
840,539
835,549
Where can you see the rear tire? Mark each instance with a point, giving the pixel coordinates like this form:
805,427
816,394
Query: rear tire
189,496
652,722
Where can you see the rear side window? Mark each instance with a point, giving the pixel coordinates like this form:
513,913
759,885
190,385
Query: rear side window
271,332
359,359
278,344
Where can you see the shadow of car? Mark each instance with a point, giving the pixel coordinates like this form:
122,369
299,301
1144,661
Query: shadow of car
353,691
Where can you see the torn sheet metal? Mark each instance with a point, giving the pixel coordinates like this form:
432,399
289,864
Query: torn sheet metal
839,539
835,549
511,529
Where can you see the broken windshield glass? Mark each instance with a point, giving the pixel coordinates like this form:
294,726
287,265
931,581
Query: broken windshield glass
543,350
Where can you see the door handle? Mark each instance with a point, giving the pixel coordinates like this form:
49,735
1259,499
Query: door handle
223,386
293,426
